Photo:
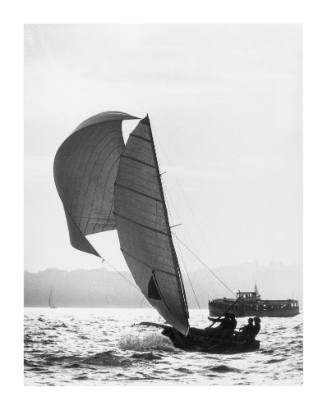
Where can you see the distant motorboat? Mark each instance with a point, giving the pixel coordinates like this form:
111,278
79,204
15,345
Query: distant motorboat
251,304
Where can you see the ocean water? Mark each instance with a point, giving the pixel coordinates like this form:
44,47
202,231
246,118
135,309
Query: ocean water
106,347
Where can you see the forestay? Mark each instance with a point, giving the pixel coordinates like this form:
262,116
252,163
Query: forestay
143,228
85,169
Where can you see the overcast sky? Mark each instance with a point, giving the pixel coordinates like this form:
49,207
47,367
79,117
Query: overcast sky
225,106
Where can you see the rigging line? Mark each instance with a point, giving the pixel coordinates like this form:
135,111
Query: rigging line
215,276
168,197
180,285
196,219
188,276
185,199
124,277
162,149
172,204
184,264
204,264
120,274
169,202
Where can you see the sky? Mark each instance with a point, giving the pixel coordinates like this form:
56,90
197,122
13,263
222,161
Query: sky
225,104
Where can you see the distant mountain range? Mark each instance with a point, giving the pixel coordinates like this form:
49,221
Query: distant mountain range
102,288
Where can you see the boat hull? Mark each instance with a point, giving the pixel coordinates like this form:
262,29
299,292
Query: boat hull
240,310
199,340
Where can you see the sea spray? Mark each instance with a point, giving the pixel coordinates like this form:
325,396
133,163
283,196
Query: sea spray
143,343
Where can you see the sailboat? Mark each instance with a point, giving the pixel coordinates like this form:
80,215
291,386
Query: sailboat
105,185
51,299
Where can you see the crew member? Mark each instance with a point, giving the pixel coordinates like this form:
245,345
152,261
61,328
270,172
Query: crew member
257,326
227,326
232,322
224,326
248,329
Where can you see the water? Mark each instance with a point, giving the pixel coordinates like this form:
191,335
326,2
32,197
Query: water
101,346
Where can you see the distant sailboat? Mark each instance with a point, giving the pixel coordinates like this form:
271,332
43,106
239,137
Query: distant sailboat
51,299
105,185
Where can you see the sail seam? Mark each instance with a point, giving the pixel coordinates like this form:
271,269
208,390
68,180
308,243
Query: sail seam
90,165
109,171
138,192
96,218
140,224
141,138
138,160
147,265
82,233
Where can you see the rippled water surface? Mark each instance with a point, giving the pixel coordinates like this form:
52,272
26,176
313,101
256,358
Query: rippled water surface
103,346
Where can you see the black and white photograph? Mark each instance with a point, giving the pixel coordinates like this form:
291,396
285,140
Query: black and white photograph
163,205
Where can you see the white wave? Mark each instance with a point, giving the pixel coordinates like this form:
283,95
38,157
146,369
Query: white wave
142,343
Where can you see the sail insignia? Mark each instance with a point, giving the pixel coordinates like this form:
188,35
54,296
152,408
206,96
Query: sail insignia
153,291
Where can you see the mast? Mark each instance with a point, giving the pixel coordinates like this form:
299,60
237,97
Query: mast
181,287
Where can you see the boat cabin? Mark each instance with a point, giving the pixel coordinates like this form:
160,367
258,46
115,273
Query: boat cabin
247,296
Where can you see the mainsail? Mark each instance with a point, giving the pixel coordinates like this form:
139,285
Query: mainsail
143,228
85,169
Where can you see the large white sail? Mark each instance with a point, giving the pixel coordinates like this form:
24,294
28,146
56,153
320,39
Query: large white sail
85,169
143,228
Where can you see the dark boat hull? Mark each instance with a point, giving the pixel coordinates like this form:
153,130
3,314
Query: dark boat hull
201,341
240,310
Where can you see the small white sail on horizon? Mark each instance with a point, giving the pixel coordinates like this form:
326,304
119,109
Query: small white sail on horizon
51,299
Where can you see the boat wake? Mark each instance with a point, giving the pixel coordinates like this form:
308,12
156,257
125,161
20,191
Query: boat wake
145,343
